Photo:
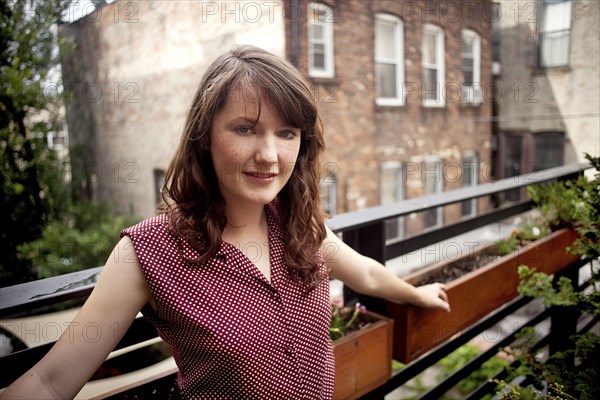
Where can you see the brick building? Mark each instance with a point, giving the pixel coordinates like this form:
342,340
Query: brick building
548,84
401,85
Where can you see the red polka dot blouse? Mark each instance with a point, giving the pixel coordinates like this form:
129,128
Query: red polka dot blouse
234,334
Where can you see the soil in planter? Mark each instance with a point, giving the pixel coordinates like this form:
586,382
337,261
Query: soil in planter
460,267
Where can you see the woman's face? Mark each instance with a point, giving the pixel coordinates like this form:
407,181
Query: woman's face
252,161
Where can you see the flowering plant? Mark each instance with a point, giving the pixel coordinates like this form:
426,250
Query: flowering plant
346,319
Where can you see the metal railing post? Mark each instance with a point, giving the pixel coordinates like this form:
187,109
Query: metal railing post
563,320
368,240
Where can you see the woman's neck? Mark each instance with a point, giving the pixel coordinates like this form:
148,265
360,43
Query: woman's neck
249,218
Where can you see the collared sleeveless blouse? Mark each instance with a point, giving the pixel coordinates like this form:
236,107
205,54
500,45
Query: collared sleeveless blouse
234,334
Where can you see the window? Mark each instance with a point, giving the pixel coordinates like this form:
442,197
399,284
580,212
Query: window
320,41
433,65
471,56
389,60
391,190
549,150
432,173
512,150
59,139
329,194
554,33
469,178
159,182
523,152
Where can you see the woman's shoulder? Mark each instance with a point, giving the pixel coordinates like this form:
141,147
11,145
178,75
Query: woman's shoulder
150,226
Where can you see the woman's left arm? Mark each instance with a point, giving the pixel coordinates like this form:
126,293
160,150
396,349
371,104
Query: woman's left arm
367,276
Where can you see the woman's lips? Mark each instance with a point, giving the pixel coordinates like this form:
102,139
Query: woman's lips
259,177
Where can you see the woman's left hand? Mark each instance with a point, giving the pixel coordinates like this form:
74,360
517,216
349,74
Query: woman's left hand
433,296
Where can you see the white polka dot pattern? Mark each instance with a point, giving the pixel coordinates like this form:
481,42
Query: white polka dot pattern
234,334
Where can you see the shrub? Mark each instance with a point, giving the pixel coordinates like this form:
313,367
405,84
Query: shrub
83,238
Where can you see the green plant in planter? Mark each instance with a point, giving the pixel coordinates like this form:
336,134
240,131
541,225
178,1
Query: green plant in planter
575,204
581,381
507,246
557,202
532,228
345,320
529,229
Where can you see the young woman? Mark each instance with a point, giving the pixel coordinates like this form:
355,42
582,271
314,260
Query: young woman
231,272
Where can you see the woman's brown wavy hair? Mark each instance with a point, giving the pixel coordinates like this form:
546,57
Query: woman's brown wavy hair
191,192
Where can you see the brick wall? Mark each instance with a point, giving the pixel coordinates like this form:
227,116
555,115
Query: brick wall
361,135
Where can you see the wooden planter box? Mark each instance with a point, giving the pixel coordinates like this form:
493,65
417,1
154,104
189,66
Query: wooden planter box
363,358
474,295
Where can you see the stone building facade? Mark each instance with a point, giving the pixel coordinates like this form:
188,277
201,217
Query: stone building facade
401,87
548,84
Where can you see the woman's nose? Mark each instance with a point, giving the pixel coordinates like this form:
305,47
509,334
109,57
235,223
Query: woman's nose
266,150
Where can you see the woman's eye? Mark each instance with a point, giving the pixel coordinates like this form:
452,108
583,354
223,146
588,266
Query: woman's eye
287,134
243,130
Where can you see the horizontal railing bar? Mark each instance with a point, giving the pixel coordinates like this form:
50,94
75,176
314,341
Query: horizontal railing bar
487,387
29,295
476,362
371,215
426,361
16,364
429,237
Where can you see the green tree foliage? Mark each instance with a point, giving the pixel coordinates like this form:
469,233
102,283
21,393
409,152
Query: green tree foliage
588,213
31,195
579,381
575,204
82,239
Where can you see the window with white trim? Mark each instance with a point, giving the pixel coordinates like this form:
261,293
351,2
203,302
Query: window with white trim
471,67
554,33
433,183
470,177
329,194
433,66
320,41
389,59
391,190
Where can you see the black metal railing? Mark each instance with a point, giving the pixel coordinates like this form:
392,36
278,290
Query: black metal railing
364,230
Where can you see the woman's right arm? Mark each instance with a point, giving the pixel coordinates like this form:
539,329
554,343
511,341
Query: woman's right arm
120,293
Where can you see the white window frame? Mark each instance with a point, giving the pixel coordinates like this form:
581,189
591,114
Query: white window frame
542,32
398,60
395,166
439,186
472,93
329,70
440,65
471,161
